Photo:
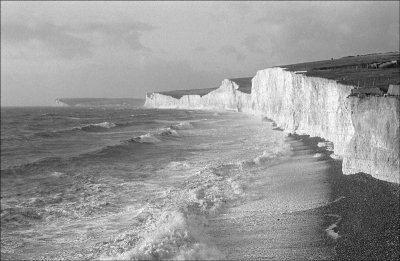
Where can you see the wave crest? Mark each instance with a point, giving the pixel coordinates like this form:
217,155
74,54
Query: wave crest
97,126
175,236
145,138
182,125
155,137
92,127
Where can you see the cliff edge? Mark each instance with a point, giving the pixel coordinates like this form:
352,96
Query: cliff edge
364,131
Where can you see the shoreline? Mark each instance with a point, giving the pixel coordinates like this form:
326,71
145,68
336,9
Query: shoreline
359,222
289,219
366,211
315,106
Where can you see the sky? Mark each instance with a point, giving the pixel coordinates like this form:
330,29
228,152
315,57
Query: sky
125,49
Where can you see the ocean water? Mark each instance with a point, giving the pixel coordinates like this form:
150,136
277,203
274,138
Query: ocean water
126,183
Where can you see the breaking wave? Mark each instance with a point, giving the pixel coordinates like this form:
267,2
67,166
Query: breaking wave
327,144
182,125
92,127
103,127
155,136
174,235
173,226
124,146
97,126
145,192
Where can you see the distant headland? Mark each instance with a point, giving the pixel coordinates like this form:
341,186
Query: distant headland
97,102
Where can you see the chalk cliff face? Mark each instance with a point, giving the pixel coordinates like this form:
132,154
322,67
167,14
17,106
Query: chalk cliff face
226,97
365,132
304,105
375,145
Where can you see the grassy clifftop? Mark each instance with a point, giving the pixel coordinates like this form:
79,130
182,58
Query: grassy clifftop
369,70
243,83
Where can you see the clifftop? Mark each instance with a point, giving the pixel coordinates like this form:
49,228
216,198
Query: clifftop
370,70
364,131
377,70
243,83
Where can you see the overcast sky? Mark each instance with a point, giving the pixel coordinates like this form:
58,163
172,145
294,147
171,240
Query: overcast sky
51,49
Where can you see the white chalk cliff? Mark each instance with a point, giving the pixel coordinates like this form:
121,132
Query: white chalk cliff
375,145
365,132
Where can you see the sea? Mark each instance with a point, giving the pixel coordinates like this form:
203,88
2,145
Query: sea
127,183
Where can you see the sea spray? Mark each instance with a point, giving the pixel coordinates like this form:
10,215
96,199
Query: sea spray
142,187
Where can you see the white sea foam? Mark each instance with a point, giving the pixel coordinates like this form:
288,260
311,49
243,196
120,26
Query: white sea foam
173,224
173,236
327,144
168,132
264,157
151,202
140,114
155,136
236,187
178,165
56,174
147,138
182,125
331,231
335,156
175,231
105,125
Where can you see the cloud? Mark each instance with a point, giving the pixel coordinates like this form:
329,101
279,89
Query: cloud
252,43
200,49
70,41
101,79
231,50
125,33
319,30
56,39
